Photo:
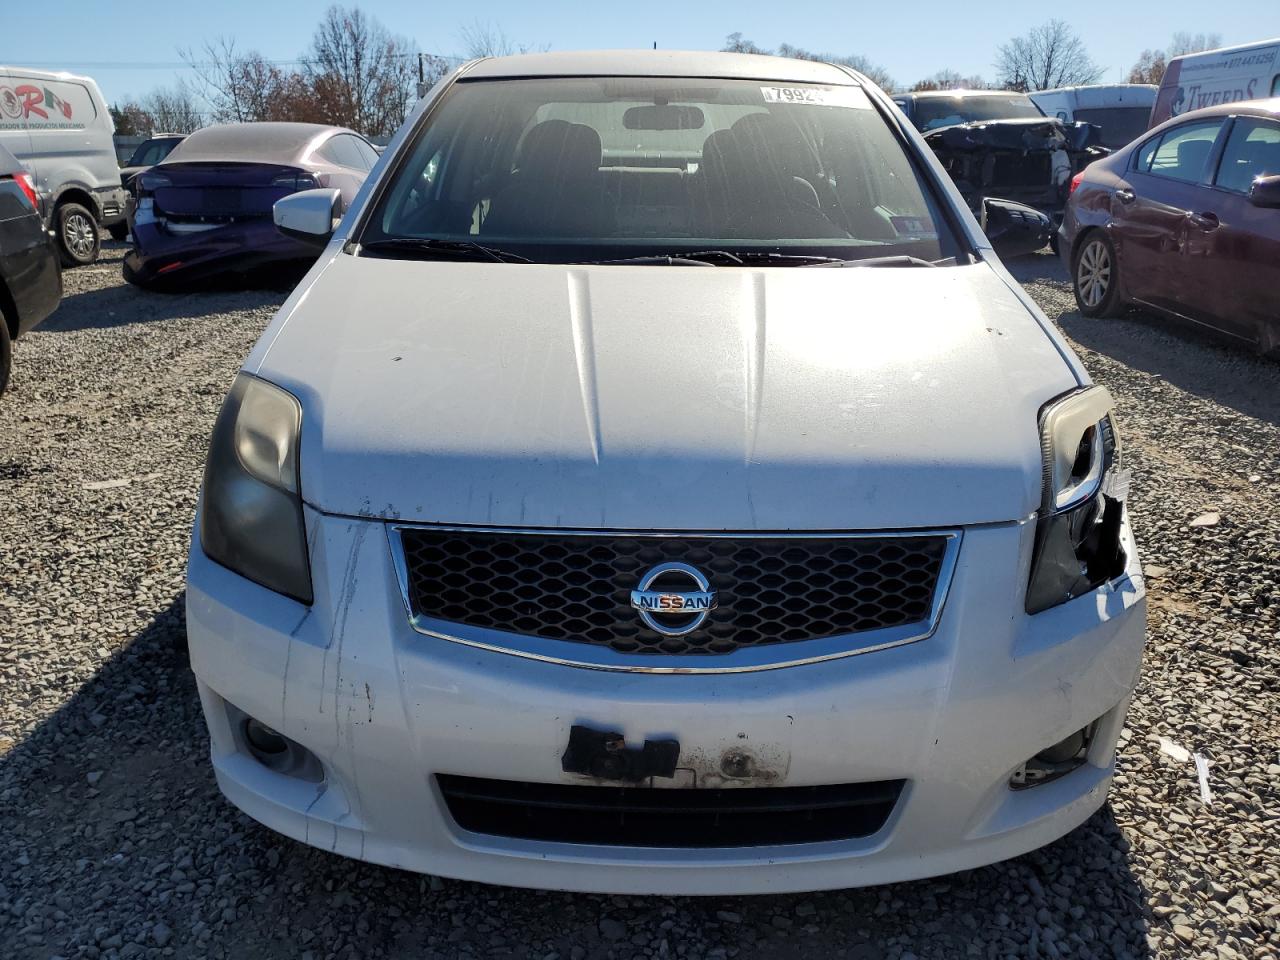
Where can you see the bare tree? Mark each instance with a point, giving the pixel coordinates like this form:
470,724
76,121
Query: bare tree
239,87
130,119
363,75
1149,68
1184,43
1152,64
483,38
736,43
172,111
947,79
1050,55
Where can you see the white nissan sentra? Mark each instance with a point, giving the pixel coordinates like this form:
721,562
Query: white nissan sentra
659,486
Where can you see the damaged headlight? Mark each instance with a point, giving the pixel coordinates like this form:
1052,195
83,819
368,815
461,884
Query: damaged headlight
1077,546
251,508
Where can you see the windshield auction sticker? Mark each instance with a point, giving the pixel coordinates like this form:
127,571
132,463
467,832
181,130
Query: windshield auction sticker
817,96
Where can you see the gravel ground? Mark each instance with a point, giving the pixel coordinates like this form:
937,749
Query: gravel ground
114,841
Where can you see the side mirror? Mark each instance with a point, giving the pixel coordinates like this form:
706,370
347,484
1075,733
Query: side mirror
309,215
1265,192
1014,229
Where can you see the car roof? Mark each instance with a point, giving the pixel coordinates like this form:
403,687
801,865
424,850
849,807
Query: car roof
1235,48
260,142
33,74
958,94
1269,107
1096,86
658,63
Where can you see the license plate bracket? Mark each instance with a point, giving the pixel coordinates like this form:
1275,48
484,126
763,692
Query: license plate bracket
604,754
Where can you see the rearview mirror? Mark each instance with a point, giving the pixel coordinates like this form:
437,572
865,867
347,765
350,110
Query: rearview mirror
1014,229
665,116
1265,192
308,215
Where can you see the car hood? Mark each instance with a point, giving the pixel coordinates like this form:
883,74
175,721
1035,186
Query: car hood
666,397
1021,133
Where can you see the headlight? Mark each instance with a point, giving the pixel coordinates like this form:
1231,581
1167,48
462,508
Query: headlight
1077,545
251,513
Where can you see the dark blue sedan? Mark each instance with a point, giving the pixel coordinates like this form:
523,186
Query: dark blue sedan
206,209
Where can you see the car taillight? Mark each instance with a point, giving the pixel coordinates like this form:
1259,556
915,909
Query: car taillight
149,182
1075,182
28,188
295,181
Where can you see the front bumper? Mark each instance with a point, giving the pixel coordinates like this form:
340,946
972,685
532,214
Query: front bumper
385,709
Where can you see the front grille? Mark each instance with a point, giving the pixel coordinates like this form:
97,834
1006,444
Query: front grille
578,587
1021,170
649,817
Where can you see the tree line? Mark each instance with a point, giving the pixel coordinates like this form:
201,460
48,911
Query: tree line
1050,55
356,73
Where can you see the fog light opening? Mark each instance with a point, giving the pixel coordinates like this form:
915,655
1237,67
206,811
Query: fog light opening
273,749
264,743
1055,761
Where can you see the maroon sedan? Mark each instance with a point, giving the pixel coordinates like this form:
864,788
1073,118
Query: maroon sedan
1185,221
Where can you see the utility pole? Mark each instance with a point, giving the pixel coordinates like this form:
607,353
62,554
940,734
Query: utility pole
422,77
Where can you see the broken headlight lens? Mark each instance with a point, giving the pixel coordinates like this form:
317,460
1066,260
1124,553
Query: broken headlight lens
251,507
1078,545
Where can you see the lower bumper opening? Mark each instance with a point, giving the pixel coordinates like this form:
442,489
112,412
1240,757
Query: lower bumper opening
272,749
1055,761
660,817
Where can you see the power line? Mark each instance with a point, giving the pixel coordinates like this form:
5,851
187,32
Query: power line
198,64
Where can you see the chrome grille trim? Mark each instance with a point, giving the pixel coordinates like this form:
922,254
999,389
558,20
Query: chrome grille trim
745,660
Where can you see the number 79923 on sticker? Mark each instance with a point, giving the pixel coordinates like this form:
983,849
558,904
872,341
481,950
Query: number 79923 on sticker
817,96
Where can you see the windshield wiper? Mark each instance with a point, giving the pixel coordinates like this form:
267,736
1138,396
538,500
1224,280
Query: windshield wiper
899,260
718,258
428,247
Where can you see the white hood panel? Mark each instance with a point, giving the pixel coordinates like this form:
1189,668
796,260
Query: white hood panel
667,397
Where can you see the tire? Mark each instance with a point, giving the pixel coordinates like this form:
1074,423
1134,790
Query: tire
1095,277
119,231
77,231
6,354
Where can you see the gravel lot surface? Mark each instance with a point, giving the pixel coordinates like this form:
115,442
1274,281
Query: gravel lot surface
114,841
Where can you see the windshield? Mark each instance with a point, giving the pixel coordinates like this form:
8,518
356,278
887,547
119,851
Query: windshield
1120,125
151,152
934,112
574,169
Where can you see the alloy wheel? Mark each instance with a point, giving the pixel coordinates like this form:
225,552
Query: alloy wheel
79,235
1093,275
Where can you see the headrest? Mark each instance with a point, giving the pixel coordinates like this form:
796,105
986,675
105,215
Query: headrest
1192,155
557,148
777,144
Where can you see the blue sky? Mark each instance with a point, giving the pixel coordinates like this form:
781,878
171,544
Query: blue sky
911,39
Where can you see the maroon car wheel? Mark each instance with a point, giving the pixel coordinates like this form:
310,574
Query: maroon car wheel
1096,277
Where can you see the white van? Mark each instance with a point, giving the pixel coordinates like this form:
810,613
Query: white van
1247,72
1120,109
59,127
